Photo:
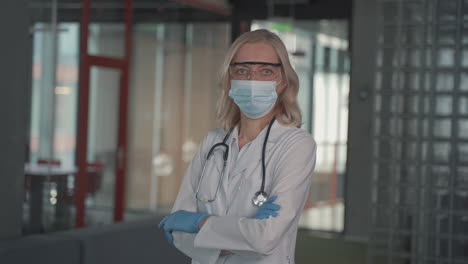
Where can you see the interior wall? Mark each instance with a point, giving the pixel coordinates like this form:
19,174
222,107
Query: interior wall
15,69
357,190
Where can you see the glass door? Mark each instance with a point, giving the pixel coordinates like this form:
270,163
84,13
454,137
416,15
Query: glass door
102,118
102,157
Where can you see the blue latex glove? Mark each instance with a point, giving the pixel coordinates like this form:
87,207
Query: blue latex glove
181,221
268,209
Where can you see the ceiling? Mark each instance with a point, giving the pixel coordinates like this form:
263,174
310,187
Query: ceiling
191,10
143,11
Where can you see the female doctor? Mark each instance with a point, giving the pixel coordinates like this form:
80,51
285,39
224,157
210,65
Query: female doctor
243,193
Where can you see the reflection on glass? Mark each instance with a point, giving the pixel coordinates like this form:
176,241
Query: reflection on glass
106,39
50,170
163,164
189,149
173,93
102,144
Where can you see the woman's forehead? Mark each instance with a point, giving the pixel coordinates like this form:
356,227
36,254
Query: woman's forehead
256,52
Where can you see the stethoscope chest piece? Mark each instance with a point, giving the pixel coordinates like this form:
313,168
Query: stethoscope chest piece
259,198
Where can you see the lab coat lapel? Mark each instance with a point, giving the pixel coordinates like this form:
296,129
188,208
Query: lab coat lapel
240,191
254,152
249,157
252,158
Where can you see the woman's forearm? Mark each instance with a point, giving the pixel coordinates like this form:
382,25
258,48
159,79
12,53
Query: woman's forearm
223,252
202,222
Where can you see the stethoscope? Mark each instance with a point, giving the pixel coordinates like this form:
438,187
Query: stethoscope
261,196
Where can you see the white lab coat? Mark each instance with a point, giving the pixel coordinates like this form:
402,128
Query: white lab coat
290,161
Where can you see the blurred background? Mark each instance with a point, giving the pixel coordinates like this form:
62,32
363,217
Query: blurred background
106,101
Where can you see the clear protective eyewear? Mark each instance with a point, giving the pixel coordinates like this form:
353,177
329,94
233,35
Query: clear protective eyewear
265,71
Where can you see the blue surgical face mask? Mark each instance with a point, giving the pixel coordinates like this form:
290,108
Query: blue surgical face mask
254,98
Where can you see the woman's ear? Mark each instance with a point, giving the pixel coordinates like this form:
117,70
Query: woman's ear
281,86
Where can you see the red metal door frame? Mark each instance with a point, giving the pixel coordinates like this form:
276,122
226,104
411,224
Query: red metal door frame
122,64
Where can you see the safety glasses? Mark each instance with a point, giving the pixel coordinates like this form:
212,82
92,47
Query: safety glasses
264,71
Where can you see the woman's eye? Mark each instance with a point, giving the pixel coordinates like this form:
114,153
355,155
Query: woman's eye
242,71
267,72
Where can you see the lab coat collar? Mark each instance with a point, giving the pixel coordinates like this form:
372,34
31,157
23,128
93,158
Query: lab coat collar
253,156
276,131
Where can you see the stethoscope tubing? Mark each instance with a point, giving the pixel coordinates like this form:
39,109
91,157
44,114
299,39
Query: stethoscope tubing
225,157
262,189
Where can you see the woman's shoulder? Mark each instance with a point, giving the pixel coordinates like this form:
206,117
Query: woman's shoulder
214,135
295,146
292,135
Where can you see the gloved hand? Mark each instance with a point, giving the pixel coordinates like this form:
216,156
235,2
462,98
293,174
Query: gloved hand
181,221
268,209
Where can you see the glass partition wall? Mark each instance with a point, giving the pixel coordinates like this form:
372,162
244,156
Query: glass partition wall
50,165
171,104
319,53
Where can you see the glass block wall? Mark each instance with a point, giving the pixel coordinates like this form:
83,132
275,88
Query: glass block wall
420,133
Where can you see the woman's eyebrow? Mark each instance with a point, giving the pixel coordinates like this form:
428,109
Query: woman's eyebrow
276,64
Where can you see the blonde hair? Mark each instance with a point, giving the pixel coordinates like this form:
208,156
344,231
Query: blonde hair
287,110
